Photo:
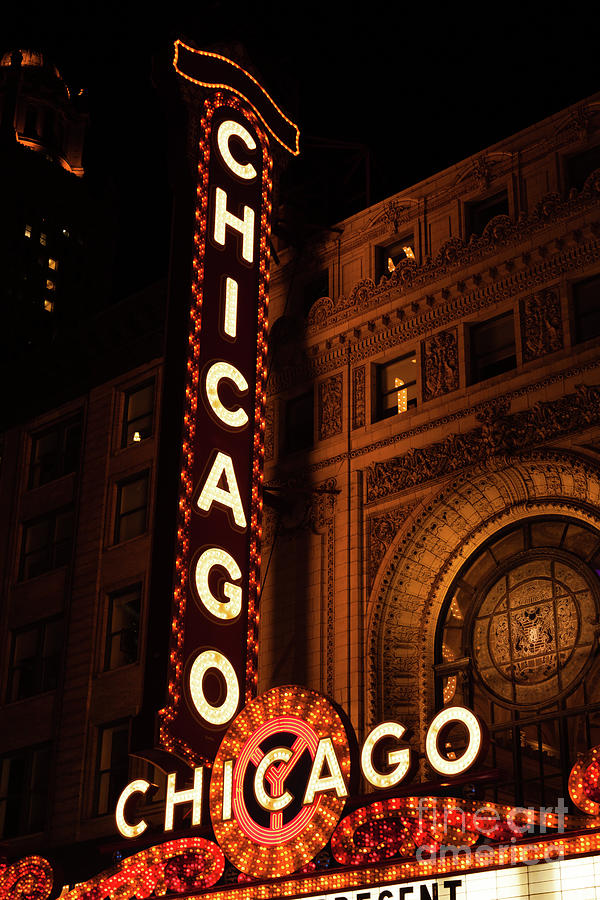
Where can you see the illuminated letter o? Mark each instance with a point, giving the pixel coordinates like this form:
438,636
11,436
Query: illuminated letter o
215,715
470,721
226,131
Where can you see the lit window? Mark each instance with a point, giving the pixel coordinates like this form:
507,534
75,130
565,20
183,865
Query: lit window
24,782
65,232
52,264
586,309
132,506
55,452
138,414
50,284
43,239
396,386
123,625
112,773
36,654
47,543
28,231
49,305
492,347
390,256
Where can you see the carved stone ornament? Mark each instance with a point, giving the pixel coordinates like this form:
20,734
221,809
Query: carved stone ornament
382,531
482,172
305,507
541,325
580,123
330,406
358,397
498,434
393,212
439,356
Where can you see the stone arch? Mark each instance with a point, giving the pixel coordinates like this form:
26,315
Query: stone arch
429,550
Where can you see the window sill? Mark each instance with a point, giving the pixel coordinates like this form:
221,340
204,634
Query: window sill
128,541
32,698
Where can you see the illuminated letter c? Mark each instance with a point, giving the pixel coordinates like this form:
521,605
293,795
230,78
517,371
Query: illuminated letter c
235,418
226,130
130,831
281,798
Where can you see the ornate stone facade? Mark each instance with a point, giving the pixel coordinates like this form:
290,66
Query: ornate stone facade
423,492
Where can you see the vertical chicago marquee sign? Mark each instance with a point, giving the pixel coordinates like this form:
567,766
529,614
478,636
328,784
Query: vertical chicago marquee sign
213,656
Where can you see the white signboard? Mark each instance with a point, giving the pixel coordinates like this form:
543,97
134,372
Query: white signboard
571,879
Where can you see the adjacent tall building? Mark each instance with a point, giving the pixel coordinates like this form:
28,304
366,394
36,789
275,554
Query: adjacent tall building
431,534
56,240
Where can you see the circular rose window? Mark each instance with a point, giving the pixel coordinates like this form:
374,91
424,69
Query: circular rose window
534,631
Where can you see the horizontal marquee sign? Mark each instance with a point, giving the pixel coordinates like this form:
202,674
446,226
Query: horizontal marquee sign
283,773
568,869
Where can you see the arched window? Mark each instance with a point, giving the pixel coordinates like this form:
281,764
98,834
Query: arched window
517,642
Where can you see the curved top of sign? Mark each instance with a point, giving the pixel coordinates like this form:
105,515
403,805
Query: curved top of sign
215,71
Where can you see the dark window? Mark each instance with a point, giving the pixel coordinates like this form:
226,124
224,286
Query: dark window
479,214
112,771
48,126
31,116
47,543
492,347
299,423
55,452
24,780
586,309
132,506
387,258
138,414
396,386
581,166
35,660
316,287
122,633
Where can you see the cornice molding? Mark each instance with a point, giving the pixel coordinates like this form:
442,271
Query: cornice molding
501,233
431,316
500,433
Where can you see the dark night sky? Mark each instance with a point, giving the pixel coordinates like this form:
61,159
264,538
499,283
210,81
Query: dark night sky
421,85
